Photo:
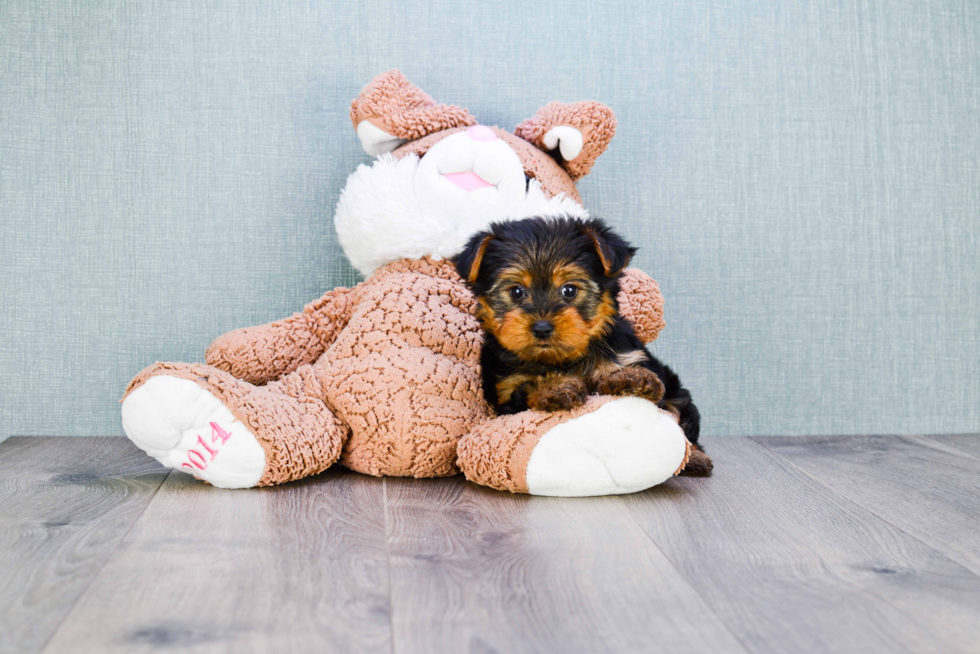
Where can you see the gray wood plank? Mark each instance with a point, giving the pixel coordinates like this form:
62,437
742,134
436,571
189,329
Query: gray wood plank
923,486
791,566
65,505
475,570
968,444
295,568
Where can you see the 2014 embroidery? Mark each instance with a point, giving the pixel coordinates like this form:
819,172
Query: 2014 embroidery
197,459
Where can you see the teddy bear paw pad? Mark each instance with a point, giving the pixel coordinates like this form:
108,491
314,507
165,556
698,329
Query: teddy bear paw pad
624,446
185,427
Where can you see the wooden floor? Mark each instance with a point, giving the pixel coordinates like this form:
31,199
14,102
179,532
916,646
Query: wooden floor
843,544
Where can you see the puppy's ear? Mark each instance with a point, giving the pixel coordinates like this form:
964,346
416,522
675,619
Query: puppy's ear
613,251
469,260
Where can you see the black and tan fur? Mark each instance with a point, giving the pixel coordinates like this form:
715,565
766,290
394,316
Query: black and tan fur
547,289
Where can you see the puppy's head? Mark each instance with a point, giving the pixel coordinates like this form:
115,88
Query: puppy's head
546,286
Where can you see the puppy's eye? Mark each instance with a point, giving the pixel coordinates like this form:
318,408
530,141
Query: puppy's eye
518,293
568,291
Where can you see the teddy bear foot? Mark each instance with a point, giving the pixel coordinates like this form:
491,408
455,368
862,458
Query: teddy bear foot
185,427
625,446
609,446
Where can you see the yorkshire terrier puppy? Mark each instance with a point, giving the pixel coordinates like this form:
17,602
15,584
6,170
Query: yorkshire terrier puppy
546,290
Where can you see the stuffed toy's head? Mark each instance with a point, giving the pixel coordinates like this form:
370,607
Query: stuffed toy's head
441,177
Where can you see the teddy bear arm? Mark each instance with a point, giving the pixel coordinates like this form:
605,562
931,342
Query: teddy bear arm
266,352
641,303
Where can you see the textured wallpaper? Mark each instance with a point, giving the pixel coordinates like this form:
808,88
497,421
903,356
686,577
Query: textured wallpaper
803,179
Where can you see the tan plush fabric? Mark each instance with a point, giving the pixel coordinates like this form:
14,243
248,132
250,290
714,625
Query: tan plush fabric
400,108
537,163
641,303
384,376
404,374
264,353
594,120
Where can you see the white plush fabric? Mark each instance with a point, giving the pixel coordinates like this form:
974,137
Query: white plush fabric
399,208
567,139
375,140
625,446
166,417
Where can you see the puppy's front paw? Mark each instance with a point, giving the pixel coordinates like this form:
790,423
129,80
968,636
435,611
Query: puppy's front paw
560,394
634,381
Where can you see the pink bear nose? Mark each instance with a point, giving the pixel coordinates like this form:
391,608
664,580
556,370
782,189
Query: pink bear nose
481,133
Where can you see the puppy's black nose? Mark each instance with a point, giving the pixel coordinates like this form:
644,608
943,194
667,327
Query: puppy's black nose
542,329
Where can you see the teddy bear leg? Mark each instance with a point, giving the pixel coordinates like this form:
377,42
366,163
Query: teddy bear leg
201,420
609,446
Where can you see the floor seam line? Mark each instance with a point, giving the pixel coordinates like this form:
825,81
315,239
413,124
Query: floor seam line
112,554
923,440
840,495
860,506
391,598
680,574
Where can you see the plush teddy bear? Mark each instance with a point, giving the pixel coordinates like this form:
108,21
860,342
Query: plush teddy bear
385,376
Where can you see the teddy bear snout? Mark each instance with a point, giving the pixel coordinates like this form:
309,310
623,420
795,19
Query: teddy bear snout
474,160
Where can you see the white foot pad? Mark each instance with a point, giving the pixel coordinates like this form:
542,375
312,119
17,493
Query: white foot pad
185,427
624,446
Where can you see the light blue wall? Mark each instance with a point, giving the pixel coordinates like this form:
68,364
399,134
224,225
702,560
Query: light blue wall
803,178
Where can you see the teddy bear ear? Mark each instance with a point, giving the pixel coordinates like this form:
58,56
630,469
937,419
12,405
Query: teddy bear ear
391,110
579,132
